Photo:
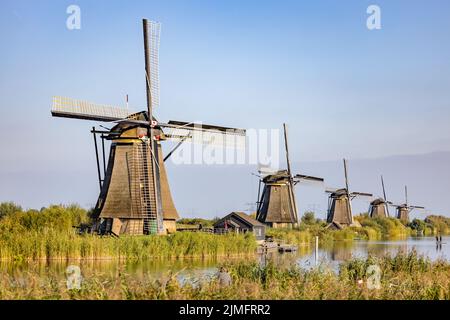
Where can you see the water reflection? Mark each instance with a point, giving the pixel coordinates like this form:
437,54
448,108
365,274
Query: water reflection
194,270
426,246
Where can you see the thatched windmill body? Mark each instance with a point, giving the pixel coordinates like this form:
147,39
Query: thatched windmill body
403,210
380,207
277,206
135,197
339,204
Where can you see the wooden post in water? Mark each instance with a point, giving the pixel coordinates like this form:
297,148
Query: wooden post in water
316,251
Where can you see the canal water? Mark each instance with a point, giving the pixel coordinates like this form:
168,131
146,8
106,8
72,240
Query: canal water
338,252
195,270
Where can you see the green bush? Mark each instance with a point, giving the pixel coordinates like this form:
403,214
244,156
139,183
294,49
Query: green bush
439,224
377,228
9,208
309,218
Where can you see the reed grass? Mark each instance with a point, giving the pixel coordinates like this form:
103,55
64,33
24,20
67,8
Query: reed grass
49,234
402,277
68,245
290,236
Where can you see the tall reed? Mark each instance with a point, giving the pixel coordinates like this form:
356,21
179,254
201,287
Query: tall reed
402,277
49,234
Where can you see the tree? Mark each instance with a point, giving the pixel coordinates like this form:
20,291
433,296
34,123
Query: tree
309,218
418,225
8,208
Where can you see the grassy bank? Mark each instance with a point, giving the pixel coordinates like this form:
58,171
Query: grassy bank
401,277
49,234
368,229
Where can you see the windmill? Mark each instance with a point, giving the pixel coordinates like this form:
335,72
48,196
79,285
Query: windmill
339,204
403,210
135,197
380,207
277,206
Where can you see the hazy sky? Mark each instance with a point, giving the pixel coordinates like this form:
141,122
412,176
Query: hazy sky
344,90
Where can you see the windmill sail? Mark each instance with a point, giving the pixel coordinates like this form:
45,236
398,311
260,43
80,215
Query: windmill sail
152,32
311,178
205,134
385,197
79,109
305,180
291,180
360,194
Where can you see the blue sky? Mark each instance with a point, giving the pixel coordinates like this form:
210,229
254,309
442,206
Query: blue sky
345,91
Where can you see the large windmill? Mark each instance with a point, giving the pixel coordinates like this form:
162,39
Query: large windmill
380,207
277,206
135,197
339,204
403,210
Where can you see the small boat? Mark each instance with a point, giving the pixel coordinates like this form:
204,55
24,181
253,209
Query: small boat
287,248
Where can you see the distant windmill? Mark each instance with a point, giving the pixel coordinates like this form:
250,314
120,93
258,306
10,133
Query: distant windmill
339,204
380,207
277,206
135,197
403,210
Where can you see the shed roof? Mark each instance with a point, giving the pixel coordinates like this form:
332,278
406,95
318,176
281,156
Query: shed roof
241,215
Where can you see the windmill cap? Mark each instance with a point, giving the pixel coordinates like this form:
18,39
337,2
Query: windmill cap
378,201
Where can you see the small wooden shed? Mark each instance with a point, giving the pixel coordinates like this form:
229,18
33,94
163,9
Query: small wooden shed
240,222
